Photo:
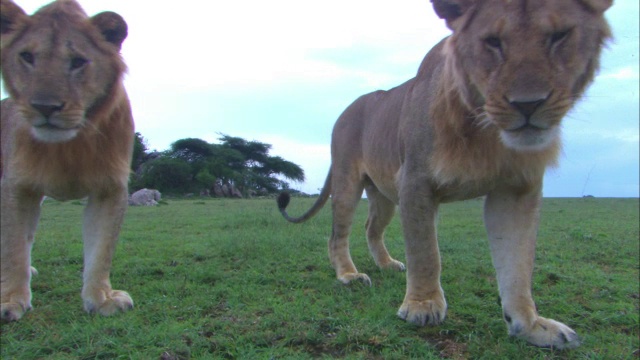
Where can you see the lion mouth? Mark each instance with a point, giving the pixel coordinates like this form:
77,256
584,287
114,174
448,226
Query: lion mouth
529,137
49,126
51,133
528,127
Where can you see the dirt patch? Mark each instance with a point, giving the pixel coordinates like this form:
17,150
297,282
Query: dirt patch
450,349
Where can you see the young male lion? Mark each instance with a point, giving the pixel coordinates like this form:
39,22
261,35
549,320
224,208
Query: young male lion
67,132
482,117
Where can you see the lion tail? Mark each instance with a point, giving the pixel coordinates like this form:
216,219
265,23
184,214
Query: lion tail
284,198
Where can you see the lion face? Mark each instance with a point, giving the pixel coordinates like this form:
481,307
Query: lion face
525,63
52,59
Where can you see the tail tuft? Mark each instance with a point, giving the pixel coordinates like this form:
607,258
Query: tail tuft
283,200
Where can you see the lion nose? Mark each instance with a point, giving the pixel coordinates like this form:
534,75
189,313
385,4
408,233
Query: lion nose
527,108
47,109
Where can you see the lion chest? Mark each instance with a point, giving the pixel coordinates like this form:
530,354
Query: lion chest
66,171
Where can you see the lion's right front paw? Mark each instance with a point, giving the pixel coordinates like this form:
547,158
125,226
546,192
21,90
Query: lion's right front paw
426,312
12,311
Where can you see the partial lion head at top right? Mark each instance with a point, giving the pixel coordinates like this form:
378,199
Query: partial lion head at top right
524,63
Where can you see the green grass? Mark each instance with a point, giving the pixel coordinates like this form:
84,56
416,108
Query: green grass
231,279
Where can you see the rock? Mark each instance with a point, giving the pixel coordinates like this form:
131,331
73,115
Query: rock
235,192
217,190
145,197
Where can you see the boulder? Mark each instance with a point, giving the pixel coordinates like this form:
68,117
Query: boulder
235,192
145,197
217,190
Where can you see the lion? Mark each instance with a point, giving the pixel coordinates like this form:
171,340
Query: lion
67,132
482,117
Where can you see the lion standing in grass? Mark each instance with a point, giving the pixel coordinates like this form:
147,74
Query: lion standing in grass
67,132
482,117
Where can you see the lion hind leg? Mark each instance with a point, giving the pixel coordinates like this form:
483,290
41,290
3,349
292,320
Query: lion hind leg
381,211
344,201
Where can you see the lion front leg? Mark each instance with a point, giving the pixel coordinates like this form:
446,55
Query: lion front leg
18,219
103,218
511,219
424,302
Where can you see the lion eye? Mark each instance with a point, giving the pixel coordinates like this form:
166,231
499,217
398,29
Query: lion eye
558,36
78,62
27,57
493,42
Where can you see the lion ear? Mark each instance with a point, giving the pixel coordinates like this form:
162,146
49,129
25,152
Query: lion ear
12,17
112,26
598,6
450,10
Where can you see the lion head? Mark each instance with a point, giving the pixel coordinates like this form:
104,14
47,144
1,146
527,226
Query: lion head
56,64
523,64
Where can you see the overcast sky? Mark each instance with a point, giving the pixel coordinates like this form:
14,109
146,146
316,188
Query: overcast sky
281,72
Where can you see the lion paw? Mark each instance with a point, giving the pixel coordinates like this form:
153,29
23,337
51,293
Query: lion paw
546,333
427,312
15,303
12,311
347,278
111,302
393,265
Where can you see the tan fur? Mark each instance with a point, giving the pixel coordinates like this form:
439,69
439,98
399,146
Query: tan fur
482,117
67,133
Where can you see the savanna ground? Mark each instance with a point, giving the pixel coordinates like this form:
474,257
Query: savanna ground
231,279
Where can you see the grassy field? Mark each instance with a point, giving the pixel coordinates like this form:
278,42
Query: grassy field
231,279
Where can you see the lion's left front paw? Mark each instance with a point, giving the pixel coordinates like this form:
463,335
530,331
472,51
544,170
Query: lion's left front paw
108,302
547,333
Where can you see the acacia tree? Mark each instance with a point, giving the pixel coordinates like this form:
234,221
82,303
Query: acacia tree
259,169
246,165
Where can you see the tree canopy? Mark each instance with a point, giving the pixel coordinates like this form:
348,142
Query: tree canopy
194,165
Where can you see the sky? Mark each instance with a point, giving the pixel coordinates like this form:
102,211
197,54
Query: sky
281,72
